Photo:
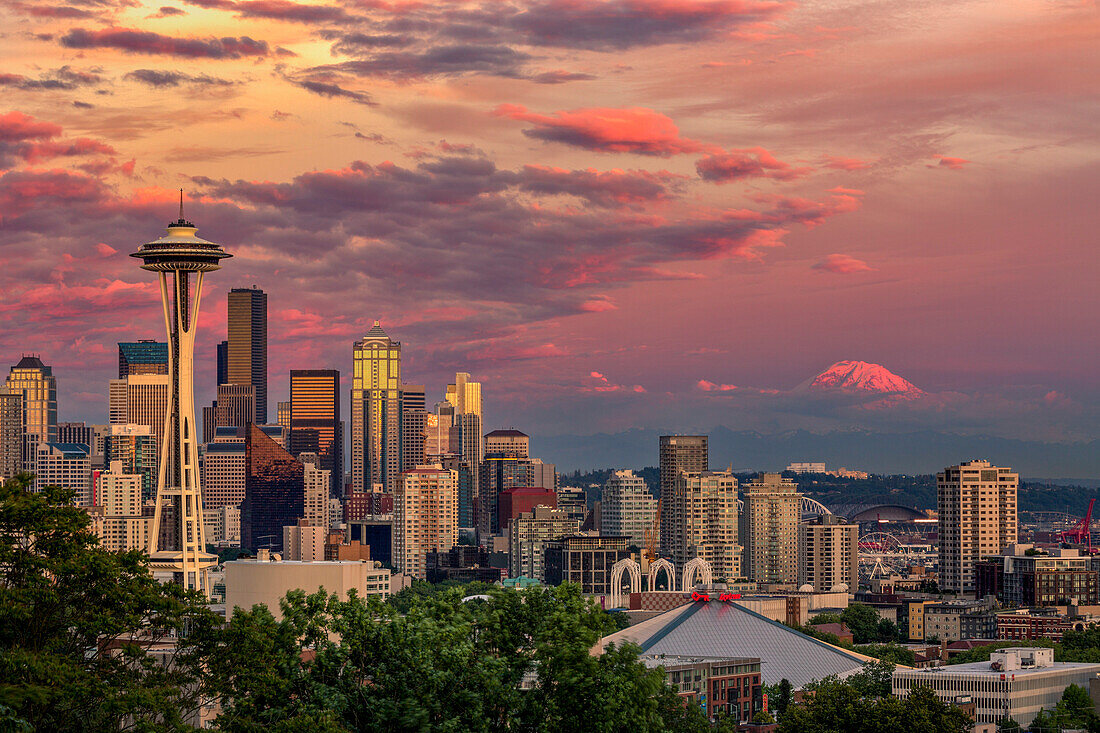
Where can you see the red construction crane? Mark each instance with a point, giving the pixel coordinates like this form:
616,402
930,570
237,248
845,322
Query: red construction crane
1081,534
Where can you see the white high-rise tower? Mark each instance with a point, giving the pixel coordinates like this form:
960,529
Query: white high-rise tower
178,254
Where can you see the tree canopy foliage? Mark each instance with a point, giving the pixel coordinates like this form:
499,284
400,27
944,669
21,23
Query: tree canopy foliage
76,624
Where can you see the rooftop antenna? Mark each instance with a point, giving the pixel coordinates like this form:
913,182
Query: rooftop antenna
181,204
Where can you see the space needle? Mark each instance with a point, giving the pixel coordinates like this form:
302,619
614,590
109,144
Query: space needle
175,257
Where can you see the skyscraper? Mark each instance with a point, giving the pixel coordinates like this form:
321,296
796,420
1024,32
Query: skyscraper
828,553
174,258
376,411
681,453
246,354
700,517
142,399
627,507
414,425
38,386
223,363
142,357
134,449
315,419
976,502
425,517
274,492
465,396
769,529
223,470
11,432
510,442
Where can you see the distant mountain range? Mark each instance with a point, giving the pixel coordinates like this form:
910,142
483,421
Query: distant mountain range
919,452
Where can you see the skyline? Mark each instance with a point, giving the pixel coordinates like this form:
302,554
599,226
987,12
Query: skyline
603,247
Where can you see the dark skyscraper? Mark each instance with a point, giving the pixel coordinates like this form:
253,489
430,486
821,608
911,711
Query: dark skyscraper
223,363
681,453
142,357
246,353
315,419
274,492
414,421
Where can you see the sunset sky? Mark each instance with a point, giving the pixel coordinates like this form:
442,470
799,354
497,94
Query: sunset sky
636,213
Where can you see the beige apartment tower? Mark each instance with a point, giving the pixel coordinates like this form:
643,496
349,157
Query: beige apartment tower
769,529
627,507
827,553
425,517
977,518
699,519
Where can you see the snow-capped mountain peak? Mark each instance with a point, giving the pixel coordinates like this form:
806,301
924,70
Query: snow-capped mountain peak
865,377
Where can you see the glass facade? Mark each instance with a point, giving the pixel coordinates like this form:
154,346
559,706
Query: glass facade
315,419
376,411
274,492
246,353
142,357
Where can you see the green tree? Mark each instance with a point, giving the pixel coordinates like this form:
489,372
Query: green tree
837,706
1008,725
77,623
783,696
520,661
863,622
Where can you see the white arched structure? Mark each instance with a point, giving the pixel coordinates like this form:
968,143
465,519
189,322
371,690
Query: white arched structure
812,506
625,565
656,567
697,566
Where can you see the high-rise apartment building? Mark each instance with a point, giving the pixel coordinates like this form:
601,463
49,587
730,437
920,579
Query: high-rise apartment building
769,529
315,420
142,357
828,553
376,411
246,354
134,449
508,442
414,425
141,399
318,487
976,502
38,386
682,453
118,518
11,432
530,534
425,509
223,470
699,519
627,507
274,491
67,465
466,438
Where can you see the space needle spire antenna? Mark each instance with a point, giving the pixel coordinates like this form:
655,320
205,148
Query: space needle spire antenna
175,257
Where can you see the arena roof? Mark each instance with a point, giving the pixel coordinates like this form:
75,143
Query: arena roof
870,512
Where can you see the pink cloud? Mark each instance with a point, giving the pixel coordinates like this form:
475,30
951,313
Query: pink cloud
948,162
16,126
844,164
600,383
105,250
734,165
707,386
842,265
629,130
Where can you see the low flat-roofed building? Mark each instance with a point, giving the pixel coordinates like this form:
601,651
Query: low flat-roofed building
729,686
1017,682
248,582
955,620
1055,577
